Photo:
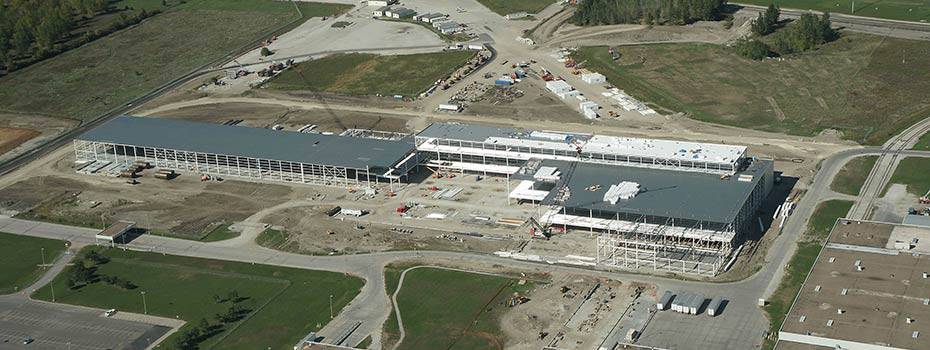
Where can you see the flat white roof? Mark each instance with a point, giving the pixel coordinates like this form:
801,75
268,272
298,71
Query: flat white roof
525,191
553,217
666,149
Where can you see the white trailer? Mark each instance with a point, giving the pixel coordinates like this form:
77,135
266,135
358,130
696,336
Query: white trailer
353,212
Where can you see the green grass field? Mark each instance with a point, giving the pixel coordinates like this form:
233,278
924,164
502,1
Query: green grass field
862,85
445,309
505,7
284,304
853,175
923,144
220,233
108,72
912,172
21,259
799,266
368,74
905,10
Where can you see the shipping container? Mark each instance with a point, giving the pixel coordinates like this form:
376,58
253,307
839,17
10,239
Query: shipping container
665,300
714,308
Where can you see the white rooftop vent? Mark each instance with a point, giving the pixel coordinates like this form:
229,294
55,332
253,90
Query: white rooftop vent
817,288
840,311
909,320
858,262
745,178
832,259
802,318
926,301
915,334
844,291
829,323
623,190
925,275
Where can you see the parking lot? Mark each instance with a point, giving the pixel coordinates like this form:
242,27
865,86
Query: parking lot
54,326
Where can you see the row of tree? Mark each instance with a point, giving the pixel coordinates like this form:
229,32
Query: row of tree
32,30
193,336
803,34
599,12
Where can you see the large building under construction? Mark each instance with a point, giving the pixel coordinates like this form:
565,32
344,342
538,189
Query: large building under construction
351,159
662,205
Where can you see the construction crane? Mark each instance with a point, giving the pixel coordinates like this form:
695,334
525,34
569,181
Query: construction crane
537,230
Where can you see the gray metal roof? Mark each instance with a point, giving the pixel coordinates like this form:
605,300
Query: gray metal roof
917,220
466,132
664,193
309,148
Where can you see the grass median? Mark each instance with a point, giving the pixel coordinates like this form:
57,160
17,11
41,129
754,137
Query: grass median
231,305
809,246
446,309
853,175
21,259
803,95
913,173
923,144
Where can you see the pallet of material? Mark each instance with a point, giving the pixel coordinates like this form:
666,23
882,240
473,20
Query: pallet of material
511,221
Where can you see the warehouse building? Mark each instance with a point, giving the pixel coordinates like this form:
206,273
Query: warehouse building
252,153
500,150
869,289
646,199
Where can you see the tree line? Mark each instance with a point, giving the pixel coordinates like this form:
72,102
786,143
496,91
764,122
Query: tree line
32,30
803,34
602,12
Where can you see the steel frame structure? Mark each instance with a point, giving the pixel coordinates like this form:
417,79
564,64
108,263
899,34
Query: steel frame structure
242,167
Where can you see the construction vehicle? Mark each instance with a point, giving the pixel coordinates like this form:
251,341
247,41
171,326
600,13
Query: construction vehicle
538,231
925,199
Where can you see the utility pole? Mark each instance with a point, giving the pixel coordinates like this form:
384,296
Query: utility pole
145,308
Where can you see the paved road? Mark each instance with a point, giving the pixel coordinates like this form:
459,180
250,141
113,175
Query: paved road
890,27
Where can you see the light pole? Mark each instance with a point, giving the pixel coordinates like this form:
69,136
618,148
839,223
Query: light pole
43,257
145,308
330,306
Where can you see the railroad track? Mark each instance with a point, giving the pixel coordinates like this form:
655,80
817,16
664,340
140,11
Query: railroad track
884,168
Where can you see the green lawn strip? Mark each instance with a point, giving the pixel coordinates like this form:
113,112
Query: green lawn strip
923,144
284,303
220,233
905,10
106,73
505,7
368,74
271,238
809,246
853,175
21,259
803,95
912,172
444,309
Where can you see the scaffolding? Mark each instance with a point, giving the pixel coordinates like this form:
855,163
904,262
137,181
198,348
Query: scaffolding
638,245
242,167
